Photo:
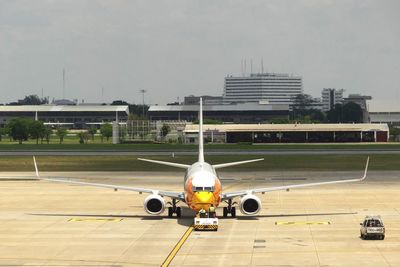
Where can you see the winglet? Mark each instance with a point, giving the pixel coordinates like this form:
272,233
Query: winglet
365,171
36,168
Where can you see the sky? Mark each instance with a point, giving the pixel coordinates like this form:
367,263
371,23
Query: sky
174,48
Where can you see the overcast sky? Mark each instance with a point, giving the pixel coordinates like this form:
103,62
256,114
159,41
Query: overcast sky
178,48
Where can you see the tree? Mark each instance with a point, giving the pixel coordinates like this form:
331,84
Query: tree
47,134
335,115
61,133
33,100
83,137
165,129
350,112
92,131
18,129
119,103
2,132
303,102
106,131
36,130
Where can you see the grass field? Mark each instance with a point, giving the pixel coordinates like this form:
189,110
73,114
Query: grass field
271,162
71,143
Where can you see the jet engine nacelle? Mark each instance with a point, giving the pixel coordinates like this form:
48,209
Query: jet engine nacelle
250,205
154,204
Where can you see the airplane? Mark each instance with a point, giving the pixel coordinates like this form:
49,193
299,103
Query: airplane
202,186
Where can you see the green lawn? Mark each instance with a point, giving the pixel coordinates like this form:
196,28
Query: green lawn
271,162
71,143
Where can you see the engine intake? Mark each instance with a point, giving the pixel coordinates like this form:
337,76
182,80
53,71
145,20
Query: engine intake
250,205
154,204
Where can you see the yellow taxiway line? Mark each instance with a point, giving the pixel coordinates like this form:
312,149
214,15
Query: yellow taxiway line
302,223
178,245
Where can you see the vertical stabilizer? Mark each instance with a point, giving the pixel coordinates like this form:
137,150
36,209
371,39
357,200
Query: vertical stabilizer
201,139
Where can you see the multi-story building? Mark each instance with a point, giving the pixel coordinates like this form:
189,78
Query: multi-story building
269,88
331,97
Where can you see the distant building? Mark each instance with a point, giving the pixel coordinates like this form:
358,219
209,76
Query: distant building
69,116
289,133
391,118
361,100
64,102
331,97
238,113
207,100
270,88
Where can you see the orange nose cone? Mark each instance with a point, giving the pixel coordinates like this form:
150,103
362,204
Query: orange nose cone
203,200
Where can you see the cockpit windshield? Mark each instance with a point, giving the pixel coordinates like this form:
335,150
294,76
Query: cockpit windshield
201,188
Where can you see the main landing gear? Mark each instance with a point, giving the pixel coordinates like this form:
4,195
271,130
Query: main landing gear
174,210
229,210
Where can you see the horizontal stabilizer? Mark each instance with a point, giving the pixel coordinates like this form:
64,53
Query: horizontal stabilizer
229,164
172,164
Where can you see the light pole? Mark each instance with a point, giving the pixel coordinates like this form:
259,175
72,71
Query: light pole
143,92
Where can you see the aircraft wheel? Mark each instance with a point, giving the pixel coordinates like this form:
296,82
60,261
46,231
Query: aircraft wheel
178,212
225,212
170,212
233,212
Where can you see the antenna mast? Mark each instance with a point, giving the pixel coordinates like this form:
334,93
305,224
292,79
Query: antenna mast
63,91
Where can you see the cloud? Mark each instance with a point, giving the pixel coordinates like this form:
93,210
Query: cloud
177,48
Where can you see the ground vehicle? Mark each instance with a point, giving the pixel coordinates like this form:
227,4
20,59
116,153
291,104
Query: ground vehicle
372,227
205,221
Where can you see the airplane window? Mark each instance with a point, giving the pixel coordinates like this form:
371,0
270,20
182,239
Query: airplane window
207,188
199,188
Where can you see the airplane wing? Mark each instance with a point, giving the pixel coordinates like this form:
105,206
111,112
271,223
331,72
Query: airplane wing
173,195
231,195
172,164
229,164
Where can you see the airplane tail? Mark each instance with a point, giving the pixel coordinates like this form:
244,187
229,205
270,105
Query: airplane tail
201,139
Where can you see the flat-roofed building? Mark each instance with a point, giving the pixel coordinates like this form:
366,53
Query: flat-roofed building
391,118
69,116
290,133
238,113
207,100
273,88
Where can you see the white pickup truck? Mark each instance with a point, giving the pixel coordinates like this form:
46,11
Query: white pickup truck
372,227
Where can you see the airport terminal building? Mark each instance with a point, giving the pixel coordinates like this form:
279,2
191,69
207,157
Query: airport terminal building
70,116
236,113
290,133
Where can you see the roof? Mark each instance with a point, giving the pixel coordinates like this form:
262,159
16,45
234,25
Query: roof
236,107
67,108
343,127
384,116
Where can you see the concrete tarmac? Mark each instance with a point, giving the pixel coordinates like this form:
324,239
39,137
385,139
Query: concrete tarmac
52,224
